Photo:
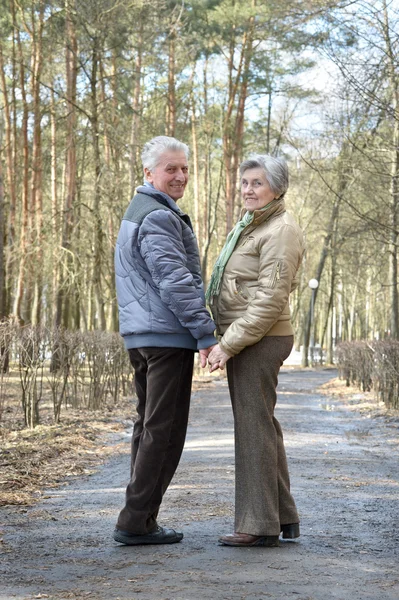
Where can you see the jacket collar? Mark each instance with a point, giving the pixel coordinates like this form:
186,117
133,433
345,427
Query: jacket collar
149,190
260,216
163,198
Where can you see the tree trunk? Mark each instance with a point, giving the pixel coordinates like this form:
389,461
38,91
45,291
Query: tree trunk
11,187
269,121
36,177
71,50
206,192
326,333
54,204
97,233
234,116
194,138
394,183
135,162
2,237
62,290
212,221
9,142
320,268
171,123
239,125
23,238
227,135
11,262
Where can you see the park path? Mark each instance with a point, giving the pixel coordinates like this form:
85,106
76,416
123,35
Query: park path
344,471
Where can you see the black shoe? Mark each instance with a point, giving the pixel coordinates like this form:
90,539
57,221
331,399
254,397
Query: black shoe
159,536
290,531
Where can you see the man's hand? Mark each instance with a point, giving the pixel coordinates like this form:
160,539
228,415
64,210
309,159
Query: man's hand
204,353
217,359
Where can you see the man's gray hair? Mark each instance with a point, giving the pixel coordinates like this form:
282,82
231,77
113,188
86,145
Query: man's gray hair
275,169
153,150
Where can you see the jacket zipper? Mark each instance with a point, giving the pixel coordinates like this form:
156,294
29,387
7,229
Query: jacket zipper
275,275
278,272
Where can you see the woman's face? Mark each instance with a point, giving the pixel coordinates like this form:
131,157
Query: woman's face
255,189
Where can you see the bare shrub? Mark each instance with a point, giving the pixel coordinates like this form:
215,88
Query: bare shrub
95,348
7,336
372,365
119,368
386,372
75,396
32,344
100,369
63,344
74,368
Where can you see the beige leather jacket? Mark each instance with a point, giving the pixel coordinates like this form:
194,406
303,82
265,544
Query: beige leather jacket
258,279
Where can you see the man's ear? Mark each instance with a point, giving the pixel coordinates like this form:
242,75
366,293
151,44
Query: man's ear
148,175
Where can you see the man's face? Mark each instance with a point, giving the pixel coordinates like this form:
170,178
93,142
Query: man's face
170,175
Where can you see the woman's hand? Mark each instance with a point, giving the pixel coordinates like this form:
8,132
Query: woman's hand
217,359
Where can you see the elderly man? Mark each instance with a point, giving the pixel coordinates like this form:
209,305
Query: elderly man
163,320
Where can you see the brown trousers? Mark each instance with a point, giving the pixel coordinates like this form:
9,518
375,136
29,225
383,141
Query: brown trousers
163,379
263,501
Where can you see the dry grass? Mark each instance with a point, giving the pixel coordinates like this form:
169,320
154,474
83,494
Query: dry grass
356,400
31,460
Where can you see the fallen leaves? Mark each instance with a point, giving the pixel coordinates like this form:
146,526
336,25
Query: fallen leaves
31,460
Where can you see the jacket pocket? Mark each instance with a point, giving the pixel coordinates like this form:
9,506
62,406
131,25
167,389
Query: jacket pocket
275,274
248,240
242,291
239,290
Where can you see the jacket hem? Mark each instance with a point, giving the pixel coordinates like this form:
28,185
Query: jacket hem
160,340
281,328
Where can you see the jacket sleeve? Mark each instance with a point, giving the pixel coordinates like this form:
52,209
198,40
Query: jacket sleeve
280,256
163,251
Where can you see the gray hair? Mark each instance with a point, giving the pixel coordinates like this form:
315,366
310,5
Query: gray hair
153,150
275,169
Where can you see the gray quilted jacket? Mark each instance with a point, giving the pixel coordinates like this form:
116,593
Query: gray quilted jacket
158,277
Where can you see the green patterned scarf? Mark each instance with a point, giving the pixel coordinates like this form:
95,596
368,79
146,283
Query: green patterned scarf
227,251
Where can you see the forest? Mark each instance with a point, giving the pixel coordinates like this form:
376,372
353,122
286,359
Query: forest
84,84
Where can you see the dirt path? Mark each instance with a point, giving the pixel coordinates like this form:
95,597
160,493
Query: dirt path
344,471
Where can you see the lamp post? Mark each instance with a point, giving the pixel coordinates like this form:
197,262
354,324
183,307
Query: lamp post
313,284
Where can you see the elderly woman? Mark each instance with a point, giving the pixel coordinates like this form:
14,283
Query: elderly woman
248,294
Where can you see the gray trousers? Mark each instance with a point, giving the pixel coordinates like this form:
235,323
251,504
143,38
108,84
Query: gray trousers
263,501
163,384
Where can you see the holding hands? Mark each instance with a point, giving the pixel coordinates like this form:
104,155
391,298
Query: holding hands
214,356
217,358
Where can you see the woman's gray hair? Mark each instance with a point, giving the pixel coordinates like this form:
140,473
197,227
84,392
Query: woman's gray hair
153,150
275,169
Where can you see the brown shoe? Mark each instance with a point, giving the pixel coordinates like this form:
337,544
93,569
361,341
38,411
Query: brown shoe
245,539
